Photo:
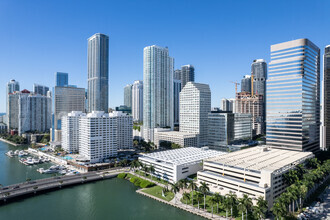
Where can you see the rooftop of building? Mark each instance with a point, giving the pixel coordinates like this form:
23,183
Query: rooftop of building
184,155
173,133
262,158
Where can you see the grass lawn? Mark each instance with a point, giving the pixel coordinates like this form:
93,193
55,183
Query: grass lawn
153,178
157,192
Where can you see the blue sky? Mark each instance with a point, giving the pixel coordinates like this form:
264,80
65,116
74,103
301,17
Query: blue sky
220,38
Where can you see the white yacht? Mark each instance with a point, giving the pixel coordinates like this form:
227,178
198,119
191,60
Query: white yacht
16,152
10,153
22,153
29,161
36,161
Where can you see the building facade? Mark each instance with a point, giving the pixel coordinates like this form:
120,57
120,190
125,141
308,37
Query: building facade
61,79
259,75
246,84
228,105
326,101
12,86
128,95
187,74
176,100
293,96
137,101
183,139
13,108
124,129
40,89
157,90
195,104
98,73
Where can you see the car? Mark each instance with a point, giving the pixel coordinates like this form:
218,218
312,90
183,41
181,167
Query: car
4,188
57,177
16,187
32,182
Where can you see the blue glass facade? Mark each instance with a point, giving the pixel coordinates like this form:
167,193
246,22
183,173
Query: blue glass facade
62,79
293,96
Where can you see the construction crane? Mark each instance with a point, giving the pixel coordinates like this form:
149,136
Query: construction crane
236,83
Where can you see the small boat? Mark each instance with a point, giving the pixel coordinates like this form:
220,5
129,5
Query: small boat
22,153
16,152
62,172
29,161
70,173
36,161
10,153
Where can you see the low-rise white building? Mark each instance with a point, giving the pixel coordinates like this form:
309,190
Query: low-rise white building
256,171
124,129
174,165
184,139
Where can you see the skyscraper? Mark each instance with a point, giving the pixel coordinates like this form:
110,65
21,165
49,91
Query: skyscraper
195,104
98,74
128,95
246,84
293,96
137,100
12,86
176,100
326,101
61,79
187,75
228,105
157,90
177,74
259,74
40,89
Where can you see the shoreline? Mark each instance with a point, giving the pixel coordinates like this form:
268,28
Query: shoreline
9,142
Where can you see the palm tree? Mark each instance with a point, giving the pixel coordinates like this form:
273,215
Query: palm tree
199,198
302,194
247,203
175,189
262,206
241,206
226,205
204,188
152,170
232,200
218,198
257,212
192,186
278,210
186,196
213,200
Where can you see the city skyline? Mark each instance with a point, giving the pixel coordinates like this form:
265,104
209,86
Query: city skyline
212,53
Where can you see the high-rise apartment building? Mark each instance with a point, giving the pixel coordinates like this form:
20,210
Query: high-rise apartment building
177,74
124,129
12,86
61,79
157,90
176,100
137,101
259,75
228,105
246,84
65,100
195,104
187,75
13,108
128,96
98,73
293,96
40,89
326,101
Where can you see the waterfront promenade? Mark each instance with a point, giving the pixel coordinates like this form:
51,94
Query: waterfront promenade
9,142
24,189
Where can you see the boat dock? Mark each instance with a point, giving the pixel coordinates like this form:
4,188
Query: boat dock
25,189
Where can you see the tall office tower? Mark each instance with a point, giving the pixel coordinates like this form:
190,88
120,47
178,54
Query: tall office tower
34,114
65,100
326,101
12,86
40,89
13,108
98,73
61,79
70,131
128,95
97,136
137,101
228,105
293,96
176,100
124,129
254,105
177,74
246,84
259,75
195,104
187,75
157,90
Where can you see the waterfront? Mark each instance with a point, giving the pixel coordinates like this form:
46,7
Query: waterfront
115,198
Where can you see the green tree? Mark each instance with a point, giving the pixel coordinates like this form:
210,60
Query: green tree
199,198
175,189
218,198
204,189
213,201
232,201
192,186
262,205
186,196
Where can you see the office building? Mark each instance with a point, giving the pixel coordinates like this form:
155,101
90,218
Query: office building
187,75
256,171
123,109
195,104
176,100
61,79
137,101
40,89
183,139
228,128
254,105
98,73
65,100
70,131
157,90
124,130
177,164
246,84
97,137
326,101
177,74
259,75
293,96
34,113
128,95
228,105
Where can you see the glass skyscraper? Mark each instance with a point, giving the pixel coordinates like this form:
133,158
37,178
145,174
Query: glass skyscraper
61,79
293,96
246,84
128,95
157,90
98,73
187,75
259,73
326,101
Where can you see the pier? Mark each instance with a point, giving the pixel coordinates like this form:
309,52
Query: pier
30,188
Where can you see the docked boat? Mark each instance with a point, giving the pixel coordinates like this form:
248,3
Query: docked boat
62,172
22,153
10,153
36,161
29,161
16,152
